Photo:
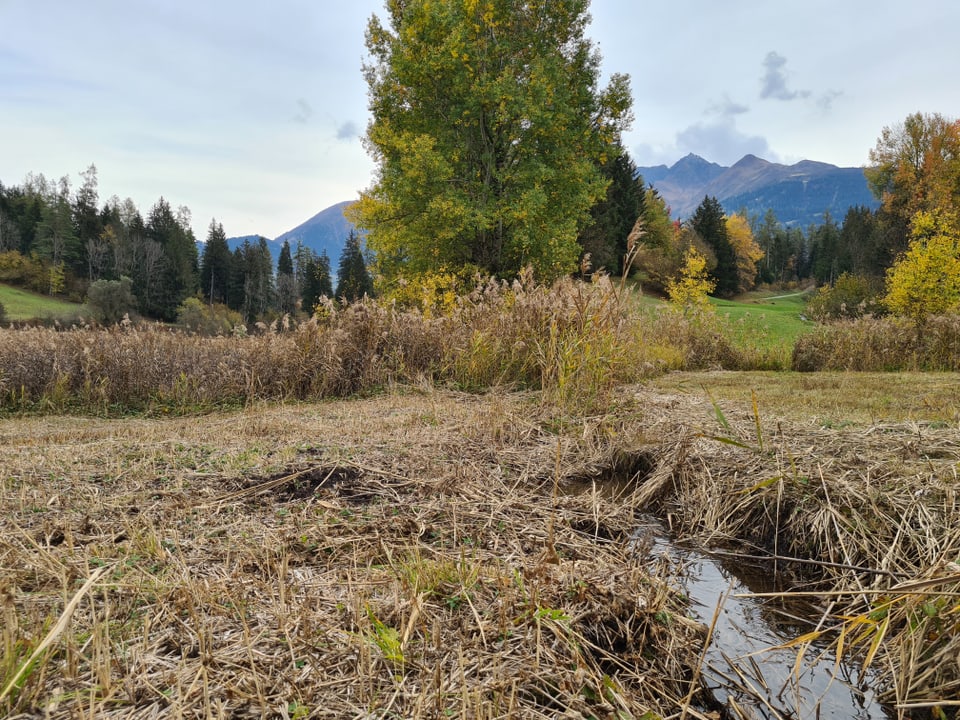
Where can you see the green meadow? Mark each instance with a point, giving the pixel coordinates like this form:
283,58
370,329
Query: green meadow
765,319
24,305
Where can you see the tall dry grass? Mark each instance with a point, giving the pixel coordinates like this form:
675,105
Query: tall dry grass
398,556
865,520
575,341
881,344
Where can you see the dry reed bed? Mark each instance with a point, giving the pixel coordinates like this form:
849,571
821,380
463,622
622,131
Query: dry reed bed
881,344
576,341
397,557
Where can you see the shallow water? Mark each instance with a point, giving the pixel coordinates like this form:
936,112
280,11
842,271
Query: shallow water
740,667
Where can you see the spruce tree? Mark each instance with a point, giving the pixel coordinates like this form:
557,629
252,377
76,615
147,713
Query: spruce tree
87,218
215,265
861,236
181,267
286,281
613,217
708,222
353,278
260,286
324,276
285,261
236,279
317,282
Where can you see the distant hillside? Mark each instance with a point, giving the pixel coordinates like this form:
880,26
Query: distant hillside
798,194
325,232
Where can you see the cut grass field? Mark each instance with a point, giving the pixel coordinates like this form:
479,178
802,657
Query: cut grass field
831,399
763,325
765,318
409,554
23,305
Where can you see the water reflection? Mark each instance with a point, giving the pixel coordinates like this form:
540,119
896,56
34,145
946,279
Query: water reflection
744,673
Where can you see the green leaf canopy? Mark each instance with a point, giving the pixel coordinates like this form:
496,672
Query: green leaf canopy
489,131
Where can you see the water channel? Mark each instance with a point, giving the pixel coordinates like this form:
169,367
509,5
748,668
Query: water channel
743,673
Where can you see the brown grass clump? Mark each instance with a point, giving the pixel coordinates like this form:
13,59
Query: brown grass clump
692,340
398,557
98,370
575,341
881,344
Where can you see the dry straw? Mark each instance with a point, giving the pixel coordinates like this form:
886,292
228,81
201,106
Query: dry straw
868,517
397,557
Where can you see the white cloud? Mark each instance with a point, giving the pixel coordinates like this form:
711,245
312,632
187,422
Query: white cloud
825,101
727,108
721,142
304,111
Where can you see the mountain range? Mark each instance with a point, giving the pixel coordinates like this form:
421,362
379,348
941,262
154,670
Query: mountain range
798,194
326,232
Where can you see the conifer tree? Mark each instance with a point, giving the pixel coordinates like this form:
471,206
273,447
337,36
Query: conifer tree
353,278
215,265
286,281
180,273
87,220
708,222
317,282
614,216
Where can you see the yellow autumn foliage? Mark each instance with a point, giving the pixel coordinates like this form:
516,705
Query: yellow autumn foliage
925,280
747,250
691,288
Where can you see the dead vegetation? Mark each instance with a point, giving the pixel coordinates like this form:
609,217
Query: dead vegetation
574,341
865,518
400,557
424,554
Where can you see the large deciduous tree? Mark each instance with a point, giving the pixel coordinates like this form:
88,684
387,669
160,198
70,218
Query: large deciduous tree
914,167
745,250
489,130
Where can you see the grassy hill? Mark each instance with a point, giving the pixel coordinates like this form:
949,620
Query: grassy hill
24,305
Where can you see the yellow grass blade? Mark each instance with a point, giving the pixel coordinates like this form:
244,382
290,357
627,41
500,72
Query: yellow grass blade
54,633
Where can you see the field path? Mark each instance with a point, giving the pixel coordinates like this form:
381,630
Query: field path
780,297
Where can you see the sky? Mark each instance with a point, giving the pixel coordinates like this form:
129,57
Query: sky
252,113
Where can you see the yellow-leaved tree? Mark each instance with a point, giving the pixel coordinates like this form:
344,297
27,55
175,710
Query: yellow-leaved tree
925,280
746,249
691,288
489,127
